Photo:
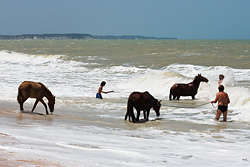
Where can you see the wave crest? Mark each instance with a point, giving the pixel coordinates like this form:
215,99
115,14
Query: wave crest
17,57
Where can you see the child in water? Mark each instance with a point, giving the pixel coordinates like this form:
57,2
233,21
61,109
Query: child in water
100,91
221,77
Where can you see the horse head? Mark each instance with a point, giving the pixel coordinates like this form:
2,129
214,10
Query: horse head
157,107
51,103
202,79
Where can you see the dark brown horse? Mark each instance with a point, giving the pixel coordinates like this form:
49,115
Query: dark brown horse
190,89
141,102
29,89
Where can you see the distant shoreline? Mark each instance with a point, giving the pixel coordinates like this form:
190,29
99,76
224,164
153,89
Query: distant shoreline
75,36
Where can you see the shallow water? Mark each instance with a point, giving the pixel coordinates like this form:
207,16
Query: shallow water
85,131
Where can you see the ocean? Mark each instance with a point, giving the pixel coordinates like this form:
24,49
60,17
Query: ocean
85,131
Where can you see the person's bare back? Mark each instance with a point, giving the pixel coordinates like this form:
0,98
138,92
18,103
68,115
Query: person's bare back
223,101
222,98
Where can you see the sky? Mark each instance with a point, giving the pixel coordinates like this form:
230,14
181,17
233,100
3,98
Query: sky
183,19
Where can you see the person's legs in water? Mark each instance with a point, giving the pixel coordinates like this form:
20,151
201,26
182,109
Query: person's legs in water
225,116
217,117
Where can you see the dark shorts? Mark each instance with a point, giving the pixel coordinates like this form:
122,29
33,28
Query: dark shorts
222,108
98,96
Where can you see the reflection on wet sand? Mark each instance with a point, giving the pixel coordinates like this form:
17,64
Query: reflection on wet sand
33,116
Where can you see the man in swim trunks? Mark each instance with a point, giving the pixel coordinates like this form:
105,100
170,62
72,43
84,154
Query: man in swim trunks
223,101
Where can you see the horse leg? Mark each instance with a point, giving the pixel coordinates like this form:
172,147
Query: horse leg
45,106
133,117
147,114
174,97
130,117
144,114
193,97
130,114
126,116
35,105
178,97
21,103
138,116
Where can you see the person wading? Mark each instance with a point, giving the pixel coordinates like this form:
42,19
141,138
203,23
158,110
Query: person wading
223,101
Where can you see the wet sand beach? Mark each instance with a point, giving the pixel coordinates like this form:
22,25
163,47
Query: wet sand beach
10,154
12,159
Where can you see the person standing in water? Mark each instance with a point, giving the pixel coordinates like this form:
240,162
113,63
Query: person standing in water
100,90
221,77
223,101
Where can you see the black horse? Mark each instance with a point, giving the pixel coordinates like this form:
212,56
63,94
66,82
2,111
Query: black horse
141,102
189,89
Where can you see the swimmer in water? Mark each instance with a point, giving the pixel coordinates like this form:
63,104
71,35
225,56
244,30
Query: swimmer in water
221,77
100,90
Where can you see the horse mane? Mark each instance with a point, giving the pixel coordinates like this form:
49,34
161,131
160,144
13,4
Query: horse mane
195,81
154,100
195,78
149,94
46,89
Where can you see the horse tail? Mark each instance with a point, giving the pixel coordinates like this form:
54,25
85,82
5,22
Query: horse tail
20,95
130,110
126,115
170,95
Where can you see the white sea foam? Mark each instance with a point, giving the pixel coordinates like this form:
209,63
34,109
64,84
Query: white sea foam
15,57
67,78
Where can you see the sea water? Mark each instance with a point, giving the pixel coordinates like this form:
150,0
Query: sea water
84,131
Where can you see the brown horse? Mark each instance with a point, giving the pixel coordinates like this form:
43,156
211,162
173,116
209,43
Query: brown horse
35,90
190,89
141,102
